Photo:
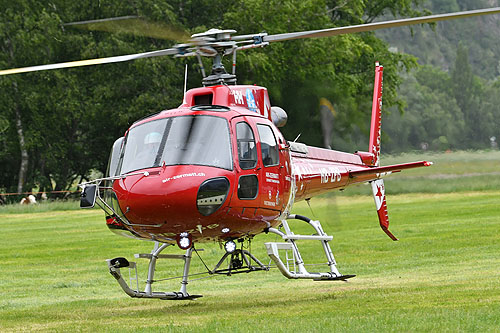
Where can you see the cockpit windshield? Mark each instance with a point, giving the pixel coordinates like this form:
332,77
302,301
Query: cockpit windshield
196,140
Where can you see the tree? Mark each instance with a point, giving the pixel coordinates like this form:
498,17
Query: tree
298,73
70,118
467,90
432,117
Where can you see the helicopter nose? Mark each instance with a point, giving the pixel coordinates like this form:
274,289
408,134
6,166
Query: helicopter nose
180,199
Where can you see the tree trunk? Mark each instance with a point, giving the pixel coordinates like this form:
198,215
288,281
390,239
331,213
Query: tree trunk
23,168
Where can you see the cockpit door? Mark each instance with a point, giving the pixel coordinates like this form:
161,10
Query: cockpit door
272,177
262,169
247,165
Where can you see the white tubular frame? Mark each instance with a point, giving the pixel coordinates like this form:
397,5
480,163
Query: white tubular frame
153,257
299,271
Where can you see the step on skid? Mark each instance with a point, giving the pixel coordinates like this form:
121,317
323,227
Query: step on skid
294,268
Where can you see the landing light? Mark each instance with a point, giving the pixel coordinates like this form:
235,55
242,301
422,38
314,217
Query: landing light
230,246
184,240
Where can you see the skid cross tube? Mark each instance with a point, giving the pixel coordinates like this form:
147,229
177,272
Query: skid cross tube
299,271
114,266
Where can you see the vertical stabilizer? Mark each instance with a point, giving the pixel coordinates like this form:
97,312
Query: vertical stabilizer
375,129
378,187
378,190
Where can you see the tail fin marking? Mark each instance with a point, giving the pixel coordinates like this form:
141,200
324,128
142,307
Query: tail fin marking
375,129
378,190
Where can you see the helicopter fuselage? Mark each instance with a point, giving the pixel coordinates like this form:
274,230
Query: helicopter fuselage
220,170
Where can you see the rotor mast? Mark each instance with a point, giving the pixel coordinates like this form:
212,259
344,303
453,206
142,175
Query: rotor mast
219,74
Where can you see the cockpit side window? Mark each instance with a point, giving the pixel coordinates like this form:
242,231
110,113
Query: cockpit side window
268,145
142,145
114,157
247,152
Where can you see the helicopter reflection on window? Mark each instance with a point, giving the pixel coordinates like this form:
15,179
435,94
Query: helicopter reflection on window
268,145
247,153
193,140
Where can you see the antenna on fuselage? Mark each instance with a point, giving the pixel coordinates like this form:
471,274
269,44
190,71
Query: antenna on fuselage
185,79
308,200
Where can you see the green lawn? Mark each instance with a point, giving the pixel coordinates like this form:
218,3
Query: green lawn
443,274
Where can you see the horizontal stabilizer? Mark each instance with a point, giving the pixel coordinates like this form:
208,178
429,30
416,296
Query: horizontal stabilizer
379,171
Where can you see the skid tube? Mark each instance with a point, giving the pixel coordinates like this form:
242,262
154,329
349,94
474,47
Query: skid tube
298,270
115,264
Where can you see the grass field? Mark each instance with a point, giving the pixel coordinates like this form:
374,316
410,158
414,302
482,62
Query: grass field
443,274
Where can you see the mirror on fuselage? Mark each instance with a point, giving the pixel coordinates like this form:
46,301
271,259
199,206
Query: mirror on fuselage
88,196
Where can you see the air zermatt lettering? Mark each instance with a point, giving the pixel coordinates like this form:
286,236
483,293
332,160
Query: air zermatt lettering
193,174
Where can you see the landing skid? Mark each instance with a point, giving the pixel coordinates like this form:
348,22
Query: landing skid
115,264
295,267
240,261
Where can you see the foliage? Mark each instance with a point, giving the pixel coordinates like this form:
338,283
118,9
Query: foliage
432,118
454,104
70,118
437,45
456,110
298,73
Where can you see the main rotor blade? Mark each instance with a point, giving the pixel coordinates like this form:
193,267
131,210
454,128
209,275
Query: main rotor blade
378,25
133,25
89,62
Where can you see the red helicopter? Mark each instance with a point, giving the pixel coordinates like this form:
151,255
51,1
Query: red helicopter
217,168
